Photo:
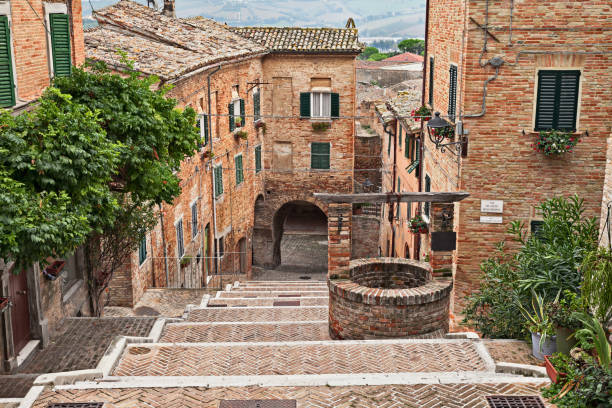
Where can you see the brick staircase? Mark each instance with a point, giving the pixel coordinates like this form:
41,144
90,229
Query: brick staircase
244,344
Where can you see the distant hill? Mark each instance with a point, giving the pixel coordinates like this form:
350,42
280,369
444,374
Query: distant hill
390,18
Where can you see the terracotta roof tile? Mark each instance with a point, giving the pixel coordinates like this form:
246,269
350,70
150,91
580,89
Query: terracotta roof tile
301,40
404,104
405,57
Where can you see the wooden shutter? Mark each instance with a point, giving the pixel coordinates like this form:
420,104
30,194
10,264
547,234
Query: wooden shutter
256,106
407,145
452,92
60,44
239,174
218,181
399,136
431,82
230,110
205,123
242,113
335,105
179,238
142,251
305,104
7,85
257,159
319,157
427,190
557,103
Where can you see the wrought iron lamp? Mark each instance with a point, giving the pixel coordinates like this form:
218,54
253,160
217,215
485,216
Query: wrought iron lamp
437,129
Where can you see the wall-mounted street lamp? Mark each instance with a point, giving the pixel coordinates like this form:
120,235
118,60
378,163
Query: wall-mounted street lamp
438,129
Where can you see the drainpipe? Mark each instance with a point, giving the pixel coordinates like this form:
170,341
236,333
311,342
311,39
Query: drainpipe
163,236
391,207
212,173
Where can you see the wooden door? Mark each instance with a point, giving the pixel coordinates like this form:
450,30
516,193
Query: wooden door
206,251
20,312
243,255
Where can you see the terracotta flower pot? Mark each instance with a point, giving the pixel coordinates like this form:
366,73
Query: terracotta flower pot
554,375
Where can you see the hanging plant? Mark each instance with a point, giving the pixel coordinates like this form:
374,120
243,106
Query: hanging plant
555,142
260,124
447,132
422,113
418,225
320,126
242,135
238,121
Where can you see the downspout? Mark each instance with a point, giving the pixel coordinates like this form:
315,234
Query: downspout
163,236
201,221
212,173
391,206
417,246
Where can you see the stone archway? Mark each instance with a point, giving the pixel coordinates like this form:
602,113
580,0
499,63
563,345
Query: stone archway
299,233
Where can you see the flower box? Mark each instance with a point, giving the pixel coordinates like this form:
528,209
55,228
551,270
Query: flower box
554,375
320,126
53,271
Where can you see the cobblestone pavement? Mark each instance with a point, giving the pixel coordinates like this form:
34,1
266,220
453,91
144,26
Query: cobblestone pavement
242,302
160,302
304,358
389,396
15,386
306,252
212,333
259,315
512,351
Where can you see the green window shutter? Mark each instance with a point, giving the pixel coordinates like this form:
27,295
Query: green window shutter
407,145
431,82
206,130
335,105
239,173
319,157
142,251
399,136
242,113
218,181
230,110
389,147
557,103
7,85
60,44
257,159
305,104
452,92
256,106
427,190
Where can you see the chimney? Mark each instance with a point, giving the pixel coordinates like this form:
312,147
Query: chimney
169,8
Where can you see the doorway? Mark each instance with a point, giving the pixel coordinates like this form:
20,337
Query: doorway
20,312
242,249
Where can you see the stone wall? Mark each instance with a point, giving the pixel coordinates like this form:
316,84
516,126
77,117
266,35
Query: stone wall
387,77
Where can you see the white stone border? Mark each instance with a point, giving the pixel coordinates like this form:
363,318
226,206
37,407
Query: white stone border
520,369
267,322
31,397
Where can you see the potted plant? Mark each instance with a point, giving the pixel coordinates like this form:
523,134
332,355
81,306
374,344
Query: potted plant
563,315
557,366
52,272
445,132
241,135
238,121
260,124
320,126
555,142
418,225
541,327
185,261
357,208
423,113
208,155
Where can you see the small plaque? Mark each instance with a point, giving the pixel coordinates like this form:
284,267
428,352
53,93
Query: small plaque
492,206
491,220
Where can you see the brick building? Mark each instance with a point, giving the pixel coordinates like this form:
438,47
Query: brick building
38,41
500,72
265,166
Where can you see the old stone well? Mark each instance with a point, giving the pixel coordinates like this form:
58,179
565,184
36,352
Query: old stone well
388,298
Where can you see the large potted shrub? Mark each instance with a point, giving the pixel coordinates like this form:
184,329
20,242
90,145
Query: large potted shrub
540,325
563,313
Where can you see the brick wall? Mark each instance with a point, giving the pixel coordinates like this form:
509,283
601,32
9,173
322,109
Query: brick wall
365,234
501,164
30,44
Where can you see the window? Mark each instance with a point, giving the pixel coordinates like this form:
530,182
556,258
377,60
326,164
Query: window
557,103
180,245
256,105
452,92
319,105
7,83
194,219
431,82
399,136
415,152
142,251
257,159
239,172
60,44
536,228
319,156
202,125
218,180
236,114
221,247
427,206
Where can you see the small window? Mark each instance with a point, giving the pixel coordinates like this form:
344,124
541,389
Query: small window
202,125
257,159
221,247
452,92
427,205
239,171
194,219
218,180
142,251
256,105
236,114
320,106
536,228
557,103
179,239
319,157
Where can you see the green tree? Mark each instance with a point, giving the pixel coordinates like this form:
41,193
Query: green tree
378,57
367,52
413,45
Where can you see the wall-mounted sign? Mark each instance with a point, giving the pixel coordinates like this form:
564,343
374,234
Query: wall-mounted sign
492,206
491,220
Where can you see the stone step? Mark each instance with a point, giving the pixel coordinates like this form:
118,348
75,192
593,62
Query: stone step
289,294
279,288
300,358
269,301
283,283
244,332
259,314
